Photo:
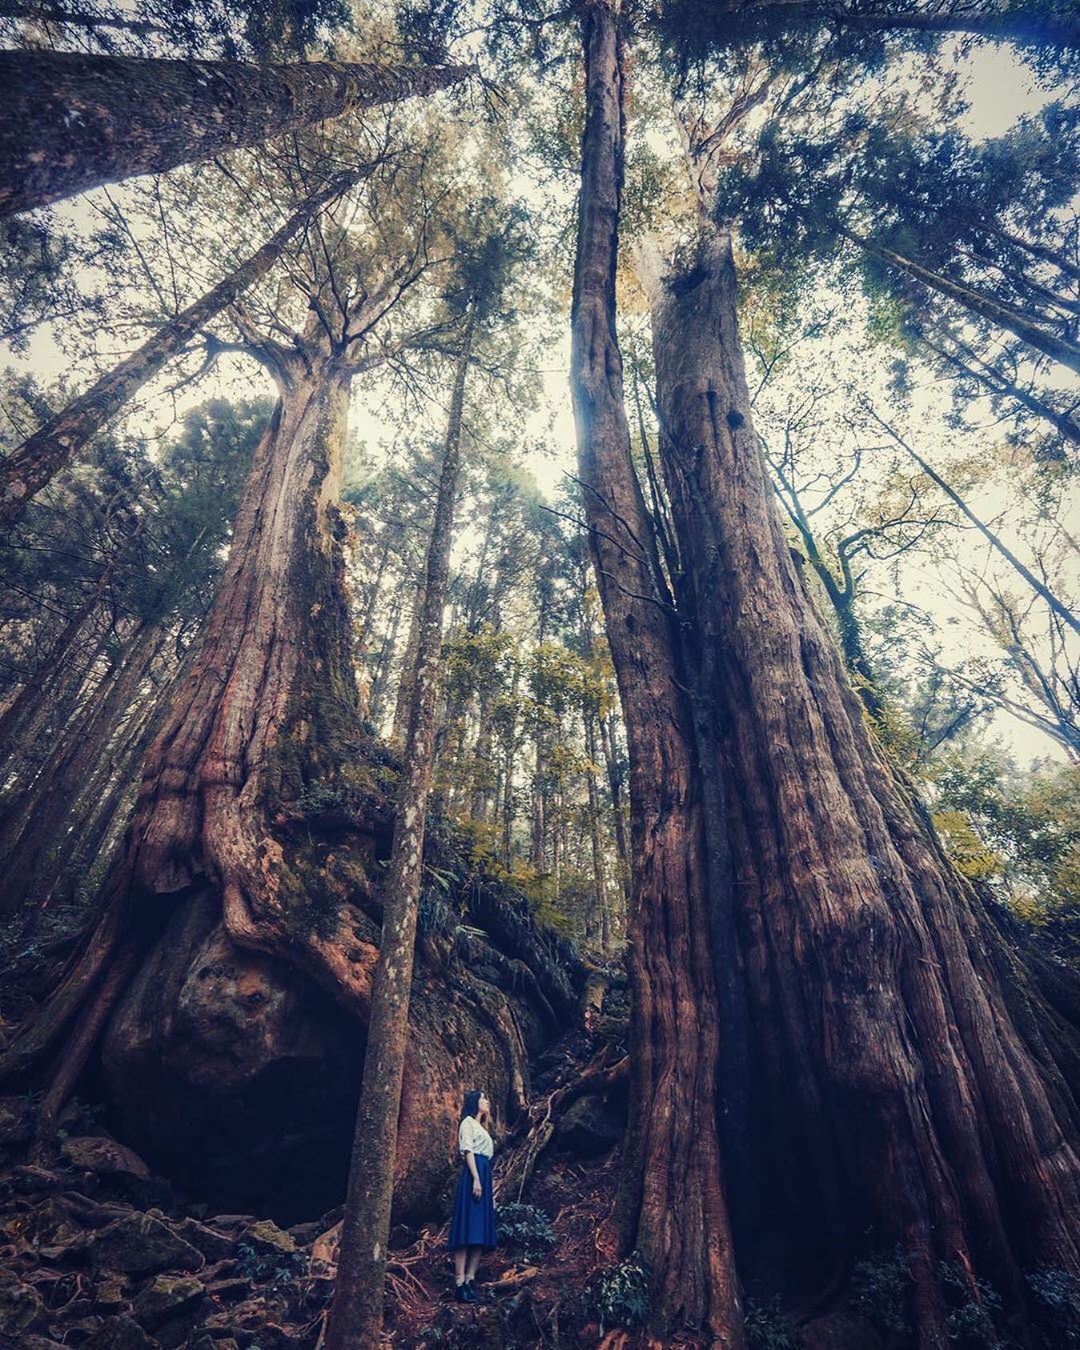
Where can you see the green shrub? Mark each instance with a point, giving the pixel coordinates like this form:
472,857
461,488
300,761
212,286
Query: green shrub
882,1286
525,1232
769,1328
618,1296
1058,1293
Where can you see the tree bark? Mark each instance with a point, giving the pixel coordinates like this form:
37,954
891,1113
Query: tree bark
31,465
907,1075
356,1311
672,1204
73,120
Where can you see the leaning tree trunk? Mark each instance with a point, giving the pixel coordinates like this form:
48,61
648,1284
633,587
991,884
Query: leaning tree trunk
908,1078
32,464
356,1312
672,1203
1012,320
74,120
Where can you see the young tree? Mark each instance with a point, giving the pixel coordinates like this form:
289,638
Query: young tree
355,1317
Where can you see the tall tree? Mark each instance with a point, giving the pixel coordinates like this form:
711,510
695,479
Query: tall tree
356,1312
28,467
72,121
672,1201
889,992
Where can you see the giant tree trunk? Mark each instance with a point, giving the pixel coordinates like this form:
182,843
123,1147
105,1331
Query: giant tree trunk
907,1077
356,1312
672,1204
229,902
74,120
32,464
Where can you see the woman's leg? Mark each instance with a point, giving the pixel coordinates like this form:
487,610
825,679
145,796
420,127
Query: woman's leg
460,1254
475,1254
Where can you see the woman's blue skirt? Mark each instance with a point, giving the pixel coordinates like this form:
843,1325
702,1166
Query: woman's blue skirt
472,1224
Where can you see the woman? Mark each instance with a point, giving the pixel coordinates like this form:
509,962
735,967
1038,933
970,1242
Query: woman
472,1224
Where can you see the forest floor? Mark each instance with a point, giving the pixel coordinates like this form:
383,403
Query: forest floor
97,1252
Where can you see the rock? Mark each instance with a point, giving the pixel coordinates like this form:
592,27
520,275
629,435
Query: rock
120,1333
21,1307
401,1236
165,1298
590,1126
248,1320
304,1234
267,1238
110,1291
40,1343
843,1330
95,1153
139,1244
214,1246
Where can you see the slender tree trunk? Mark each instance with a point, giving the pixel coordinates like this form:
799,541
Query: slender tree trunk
672,1204
482,766
29,467
382,666
600,925
999,384
538,854
30,699
907,1076
996,542
355,1317
738,23
47,812
615,783
1001,315
408,673
74,120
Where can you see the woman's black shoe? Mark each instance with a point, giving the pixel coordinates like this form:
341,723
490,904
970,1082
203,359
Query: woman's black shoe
478,1297
464,1294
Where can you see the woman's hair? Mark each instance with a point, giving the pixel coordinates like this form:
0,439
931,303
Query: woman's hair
471,1104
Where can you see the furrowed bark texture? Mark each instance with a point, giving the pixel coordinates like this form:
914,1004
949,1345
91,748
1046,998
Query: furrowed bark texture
908,1076
673,1206
31,465
70,121
357,1309
221,910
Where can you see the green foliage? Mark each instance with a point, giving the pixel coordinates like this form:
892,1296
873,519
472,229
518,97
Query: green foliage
970,1321
1058,1293
269,1267
1021,830
768,1327
618,1296
525,1232
882,1284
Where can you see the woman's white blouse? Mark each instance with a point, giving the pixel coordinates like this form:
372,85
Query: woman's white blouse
473,1138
